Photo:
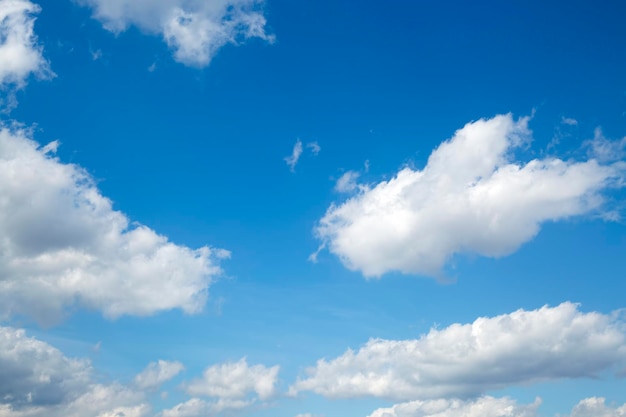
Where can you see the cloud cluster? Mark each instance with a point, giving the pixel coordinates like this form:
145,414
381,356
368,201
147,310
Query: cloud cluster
231,386
296,153
194,29
472,196
465,360
481,407
37,380
63,244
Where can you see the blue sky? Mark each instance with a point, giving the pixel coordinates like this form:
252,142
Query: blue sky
274,208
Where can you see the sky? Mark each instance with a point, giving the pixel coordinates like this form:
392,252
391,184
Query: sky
271,208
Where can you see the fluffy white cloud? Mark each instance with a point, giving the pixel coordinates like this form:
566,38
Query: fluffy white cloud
20,54
468,359
235,380
157,373
481,407
471,197
232,386
37,380
63,244
596,407
194,29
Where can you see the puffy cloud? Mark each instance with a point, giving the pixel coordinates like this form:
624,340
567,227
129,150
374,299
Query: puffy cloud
37,380
194,29
63,244
235,380
596,407
481,407
232,386
35,373
471,197
465,360
292,160
157,373
20,54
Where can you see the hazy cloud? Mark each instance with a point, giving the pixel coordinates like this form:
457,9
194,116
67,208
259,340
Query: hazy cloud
292,160
157,373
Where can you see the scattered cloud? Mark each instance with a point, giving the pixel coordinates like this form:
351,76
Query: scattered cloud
156,373
292,160
481,407
569,121
37,380
347,182
20,54
235,380
465,360
63,245
231,386
606,150
96,55
195,30
314,147
471,197
596,407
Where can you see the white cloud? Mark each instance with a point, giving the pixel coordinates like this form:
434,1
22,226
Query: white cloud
471,197
63,245
231,386
606,150
314,147
37,380
35,373
235,380
197,407
157,373
347,182
481,407
20,54
596,407
468,359
194,29
292,160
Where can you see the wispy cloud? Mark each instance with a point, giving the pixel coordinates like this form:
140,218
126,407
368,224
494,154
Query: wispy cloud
292,160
